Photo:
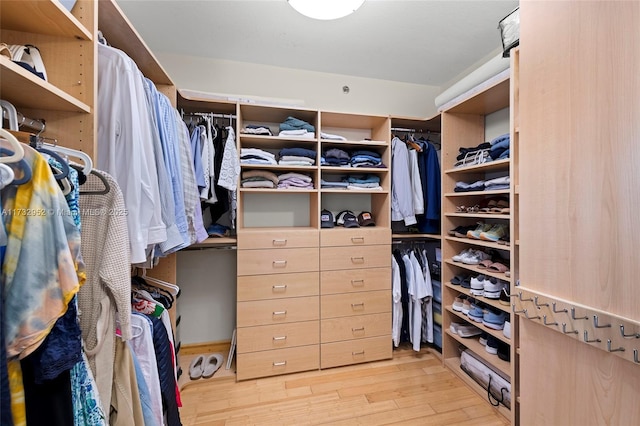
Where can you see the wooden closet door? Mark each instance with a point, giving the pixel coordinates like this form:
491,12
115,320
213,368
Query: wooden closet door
579,203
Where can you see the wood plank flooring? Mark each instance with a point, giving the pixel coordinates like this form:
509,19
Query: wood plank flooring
411,389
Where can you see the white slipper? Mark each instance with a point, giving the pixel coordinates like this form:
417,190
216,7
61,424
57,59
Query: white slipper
211,364
196,368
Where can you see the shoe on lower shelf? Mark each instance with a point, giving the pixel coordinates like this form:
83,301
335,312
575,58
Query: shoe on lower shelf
477,285
492,345
468,330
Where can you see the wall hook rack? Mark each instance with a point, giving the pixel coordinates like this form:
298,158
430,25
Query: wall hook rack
596,325
526,314
586,338
564,329
515,311
538,305
524,300
544,321
620,349
635,356
573,315
558,311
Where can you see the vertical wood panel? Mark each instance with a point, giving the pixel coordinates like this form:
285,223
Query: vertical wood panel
579,196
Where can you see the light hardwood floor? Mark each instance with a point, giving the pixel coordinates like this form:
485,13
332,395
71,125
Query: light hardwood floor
411,389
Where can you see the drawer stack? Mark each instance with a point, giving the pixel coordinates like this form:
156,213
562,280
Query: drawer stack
355,296
278,302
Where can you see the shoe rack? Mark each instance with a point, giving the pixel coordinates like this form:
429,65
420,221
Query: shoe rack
464,125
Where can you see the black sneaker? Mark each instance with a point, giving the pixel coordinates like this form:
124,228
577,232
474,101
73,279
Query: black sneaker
503,352
504,297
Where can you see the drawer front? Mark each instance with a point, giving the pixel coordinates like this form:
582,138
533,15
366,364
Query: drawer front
333,258
354,237
279,361
277,311
279,336
349,304
356,327
355,351
282,261
352,280
262,287
277,238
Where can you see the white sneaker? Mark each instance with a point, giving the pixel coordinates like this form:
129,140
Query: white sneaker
458,257
475,257
493,287
507,330
477,285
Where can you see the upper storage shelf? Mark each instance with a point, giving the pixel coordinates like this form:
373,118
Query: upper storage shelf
121,34
41,17
488,97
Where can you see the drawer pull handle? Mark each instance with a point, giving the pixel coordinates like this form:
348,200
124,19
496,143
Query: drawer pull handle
280,338
357,329
279,287
280,242
359,259
356,240
280,313
279,364
353,305
358,283
357,353
281,263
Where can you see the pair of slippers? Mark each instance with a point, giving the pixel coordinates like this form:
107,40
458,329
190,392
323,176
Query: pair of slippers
204,366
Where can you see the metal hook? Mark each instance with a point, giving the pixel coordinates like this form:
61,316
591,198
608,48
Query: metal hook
544,320
531,318
561,310
573,315
636,335
586,338
535,302
564,329
517,312
595,323
524,300
635,356
620,349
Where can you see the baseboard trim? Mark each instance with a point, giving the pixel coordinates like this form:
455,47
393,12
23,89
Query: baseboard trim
205,347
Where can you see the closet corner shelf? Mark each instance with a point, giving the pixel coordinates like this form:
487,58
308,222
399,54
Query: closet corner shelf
42,17
465,194
481,243
416,236
24,90
338,169
498,165
215,242
474,268
353,191
453,364
475,346
495,303
279,191
495,333
277,167
273,140
479,215
485,98
353,143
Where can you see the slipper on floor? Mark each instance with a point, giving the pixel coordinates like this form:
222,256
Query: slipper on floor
211,364
196,367
498,267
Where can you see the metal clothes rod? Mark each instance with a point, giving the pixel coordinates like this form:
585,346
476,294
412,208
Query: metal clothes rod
211,114
403,129
23,121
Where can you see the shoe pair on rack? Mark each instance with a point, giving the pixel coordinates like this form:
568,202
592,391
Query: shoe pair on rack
488,231
488,287
204,366
471,256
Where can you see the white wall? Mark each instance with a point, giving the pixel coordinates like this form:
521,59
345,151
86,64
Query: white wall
496,124
311,89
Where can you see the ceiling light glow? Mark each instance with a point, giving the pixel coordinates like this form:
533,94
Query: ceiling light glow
326,9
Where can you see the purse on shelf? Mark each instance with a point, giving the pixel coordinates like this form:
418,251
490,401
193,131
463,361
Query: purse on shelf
28,57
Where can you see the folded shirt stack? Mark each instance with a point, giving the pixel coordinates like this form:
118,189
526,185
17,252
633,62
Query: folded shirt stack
294,180
295,127
337,158
296,157
467,187
364,182
464,152
366,159
497,183
500,147
333,184
257,130
256,156
329,136
259,179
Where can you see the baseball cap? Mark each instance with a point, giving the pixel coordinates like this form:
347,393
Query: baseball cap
326,219
365,219
347,219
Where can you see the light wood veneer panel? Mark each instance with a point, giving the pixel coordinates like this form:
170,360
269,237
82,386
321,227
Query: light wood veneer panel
279,336
355,351
280,361
356,327
261,287
278,311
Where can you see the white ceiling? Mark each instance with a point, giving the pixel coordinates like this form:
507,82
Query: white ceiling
416,41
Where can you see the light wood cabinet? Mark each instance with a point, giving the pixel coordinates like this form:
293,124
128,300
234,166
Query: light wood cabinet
463,126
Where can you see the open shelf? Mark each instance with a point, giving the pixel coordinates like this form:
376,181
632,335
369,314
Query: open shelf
481,243
479,215
475,346
359,144
495,333
493,302
492,166
416,236
42,17
465,194
474,268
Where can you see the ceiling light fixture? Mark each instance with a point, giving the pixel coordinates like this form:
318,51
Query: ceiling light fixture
326,9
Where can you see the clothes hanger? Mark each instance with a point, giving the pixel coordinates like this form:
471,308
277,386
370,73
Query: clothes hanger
107,187
23,166
171,288
18,152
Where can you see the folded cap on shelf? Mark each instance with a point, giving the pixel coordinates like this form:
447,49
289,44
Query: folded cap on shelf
326,219
365,219
347,219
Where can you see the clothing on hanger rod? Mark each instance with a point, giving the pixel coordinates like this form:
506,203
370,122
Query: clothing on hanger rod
18,120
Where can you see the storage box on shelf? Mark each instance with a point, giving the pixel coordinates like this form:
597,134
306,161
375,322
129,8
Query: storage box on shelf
463,125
